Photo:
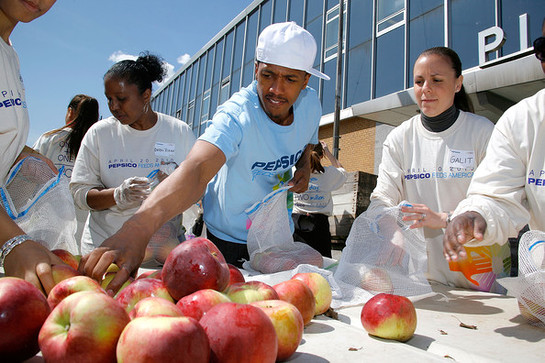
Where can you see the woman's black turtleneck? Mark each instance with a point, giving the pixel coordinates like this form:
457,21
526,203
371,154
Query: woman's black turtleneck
440,122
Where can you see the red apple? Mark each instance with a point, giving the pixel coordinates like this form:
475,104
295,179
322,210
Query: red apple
67,257
240,333
194,265
250,291
320,289
84,327
23,310
235,275
154,306
390,317
163,339
196,305
62,272
377,280
288,323
141,289
70,286
299,294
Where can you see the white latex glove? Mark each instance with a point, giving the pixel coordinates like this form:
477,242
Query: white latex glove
132,192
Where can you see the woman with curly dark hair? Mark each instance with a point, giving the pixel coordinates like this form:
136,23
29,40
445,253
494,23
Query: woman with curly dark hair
119,153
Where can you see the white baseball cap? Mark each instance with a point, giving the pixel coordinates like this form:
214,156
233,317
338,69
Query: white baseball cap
288,45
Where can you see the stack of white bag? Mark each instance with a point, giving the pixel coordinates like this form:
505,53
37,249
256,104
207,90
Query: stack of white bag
529,286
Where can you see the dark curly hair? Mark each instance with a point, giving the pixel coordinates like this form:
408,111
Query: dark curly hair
146,69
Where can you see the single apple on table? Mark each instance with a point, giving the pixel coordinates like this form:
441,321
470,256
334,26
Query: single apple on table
163,339
240,333
320,289
250,291
235,275
141,289
389,316
72,285
154,306
299,294
196,305
67,257
194,265
84,327
288,323
23,310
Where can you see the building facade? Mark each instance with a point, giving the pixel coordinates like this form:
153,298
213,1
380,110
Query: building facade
380,41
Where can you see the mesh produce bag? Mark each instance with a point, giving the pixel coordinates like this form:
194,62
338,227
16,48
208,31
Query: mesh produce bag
382,255
529,286
39,201
170,234
270,242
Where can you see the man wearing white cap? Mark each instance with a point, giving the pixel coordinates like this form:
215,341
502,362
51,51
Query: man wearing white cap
248,149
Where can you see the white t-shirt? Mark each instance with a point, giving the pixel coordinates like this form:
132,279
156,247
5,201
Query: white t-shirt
508,188
317,199
259,156
112,152
14,121
435,168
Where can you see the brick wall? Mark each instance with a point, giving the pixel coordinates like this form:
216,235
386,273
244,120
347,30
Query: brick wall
357,144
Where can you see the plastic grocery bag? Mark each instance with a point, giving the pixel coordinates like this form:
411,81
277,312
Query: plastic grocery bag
270,242
529,286
39,201
382,254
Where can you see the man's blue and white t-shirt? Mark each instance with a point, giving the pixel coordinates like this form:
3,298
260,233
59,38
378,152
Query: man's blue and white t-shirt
259,156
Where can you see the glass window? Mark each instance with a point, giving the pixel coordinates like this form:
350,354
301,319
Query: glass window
280,11
468,18
421,7
328,88
209,69
180,95
425,31
205,106
214,99
315,28
510,12
361,22
332,32
226,70
224,91
200,78
196,117
359,74
249,51
390,65
315,9
190,113
296,11
265,15
386,8
237,56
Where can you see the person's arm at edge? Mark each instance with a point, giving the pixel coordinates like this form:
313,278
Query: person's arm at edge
332,159
175,194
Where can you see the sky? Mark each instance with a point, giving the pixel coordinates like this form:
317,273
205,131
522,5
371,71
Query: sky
68,50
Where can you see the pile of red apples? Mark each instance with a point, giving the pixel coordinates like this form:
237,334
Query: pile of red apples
197,308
